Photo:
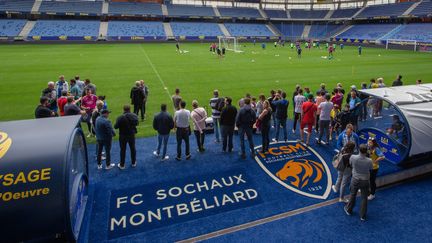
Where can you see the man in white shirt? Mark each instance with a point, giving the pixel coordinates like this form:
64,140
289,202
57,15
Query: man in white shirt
325,109
199,115
299,99
181,123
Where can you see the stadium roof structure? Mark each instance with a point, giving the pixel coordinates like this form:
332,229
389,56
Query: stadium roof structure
414,102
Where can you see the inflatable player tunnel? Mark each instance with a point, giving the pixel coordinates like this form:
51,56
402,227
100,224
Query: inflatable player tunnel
400,119
43,178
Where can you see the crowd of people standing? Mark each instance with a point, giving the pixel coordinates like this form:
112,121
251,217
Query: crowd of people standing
322,112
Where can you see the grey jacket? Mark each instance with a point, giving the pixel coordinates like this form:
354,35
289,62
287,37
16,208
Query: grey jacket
361,165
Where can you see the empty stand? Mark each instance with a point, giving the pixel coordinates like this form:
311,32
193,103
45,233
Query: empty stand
344,13
16,6
195,29
71,7
391,10
368,32
248,29
308,14
11,28
240,12
323,31
423,9
278,14
53,28
125,8
418,32
188,10
135,28
290,29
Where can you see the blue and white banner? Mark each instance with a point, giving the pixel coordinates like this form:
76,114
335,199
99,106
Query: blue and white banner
297,167
146,207
388,146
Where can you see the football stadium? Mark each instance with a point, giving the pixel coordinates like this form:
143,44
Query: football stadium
215,120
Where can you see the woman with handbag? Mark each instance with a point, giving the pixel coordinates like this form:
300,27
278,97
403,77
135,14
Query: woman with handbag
199,115
263,123
344,170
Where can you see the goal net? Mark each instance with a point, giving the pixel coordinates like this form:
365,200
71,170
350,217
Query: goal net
230,43
402,44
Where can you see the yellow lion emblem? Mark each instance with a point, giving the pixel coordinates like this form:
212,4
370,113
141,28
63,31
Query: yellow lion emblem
5,143
302,171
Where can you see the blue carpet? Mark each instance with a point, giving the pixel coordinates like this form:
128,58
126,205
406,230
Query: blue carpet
398,214
273,198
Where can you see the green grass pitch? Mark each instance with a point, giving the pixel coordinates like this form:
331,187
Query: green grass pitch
26,69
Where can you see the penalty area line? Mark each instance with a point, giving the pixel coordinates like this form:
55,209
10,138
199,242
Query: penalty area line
155,71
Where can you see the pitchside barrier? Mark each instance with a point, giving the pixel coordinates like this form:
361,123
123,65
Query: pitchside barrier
43,178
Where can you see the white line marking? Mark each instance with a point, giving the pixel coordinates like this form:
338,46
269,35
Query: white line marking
276,217
155,71
260,221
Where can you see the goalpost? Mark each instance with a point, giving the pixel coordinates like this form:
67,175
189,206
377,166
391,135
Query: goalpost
230,43
396,42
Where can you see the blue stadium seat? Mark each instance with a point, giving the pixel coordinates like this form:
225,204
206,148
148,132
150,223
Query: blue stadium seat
71,7
281,14
195,29
17,6
135,8
248,29
76,28
240,12
134,28
290,29
11,27
418,32
392,10
368,31
344,13
308,14
189,10
323,30
423,9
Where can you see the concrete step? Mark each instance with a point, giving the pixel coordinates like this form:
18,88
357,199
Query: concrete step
168,30
216,11
329,14
410,9
105,7
306,31
359,12
263,14
27,28
103,29
224,30
164,10
273,29
36,6
342,30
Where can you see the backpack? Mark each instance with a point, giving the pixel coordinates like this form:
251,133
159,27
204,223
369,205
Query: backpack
249,117
337,160
220,104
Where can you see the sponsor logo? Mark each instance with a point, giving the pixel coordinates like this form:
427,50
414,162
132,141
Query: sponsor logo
5,143
297,167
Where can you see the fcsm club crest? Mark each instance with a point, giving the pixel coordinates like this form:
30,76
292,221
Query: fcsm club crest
297,167
5,143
